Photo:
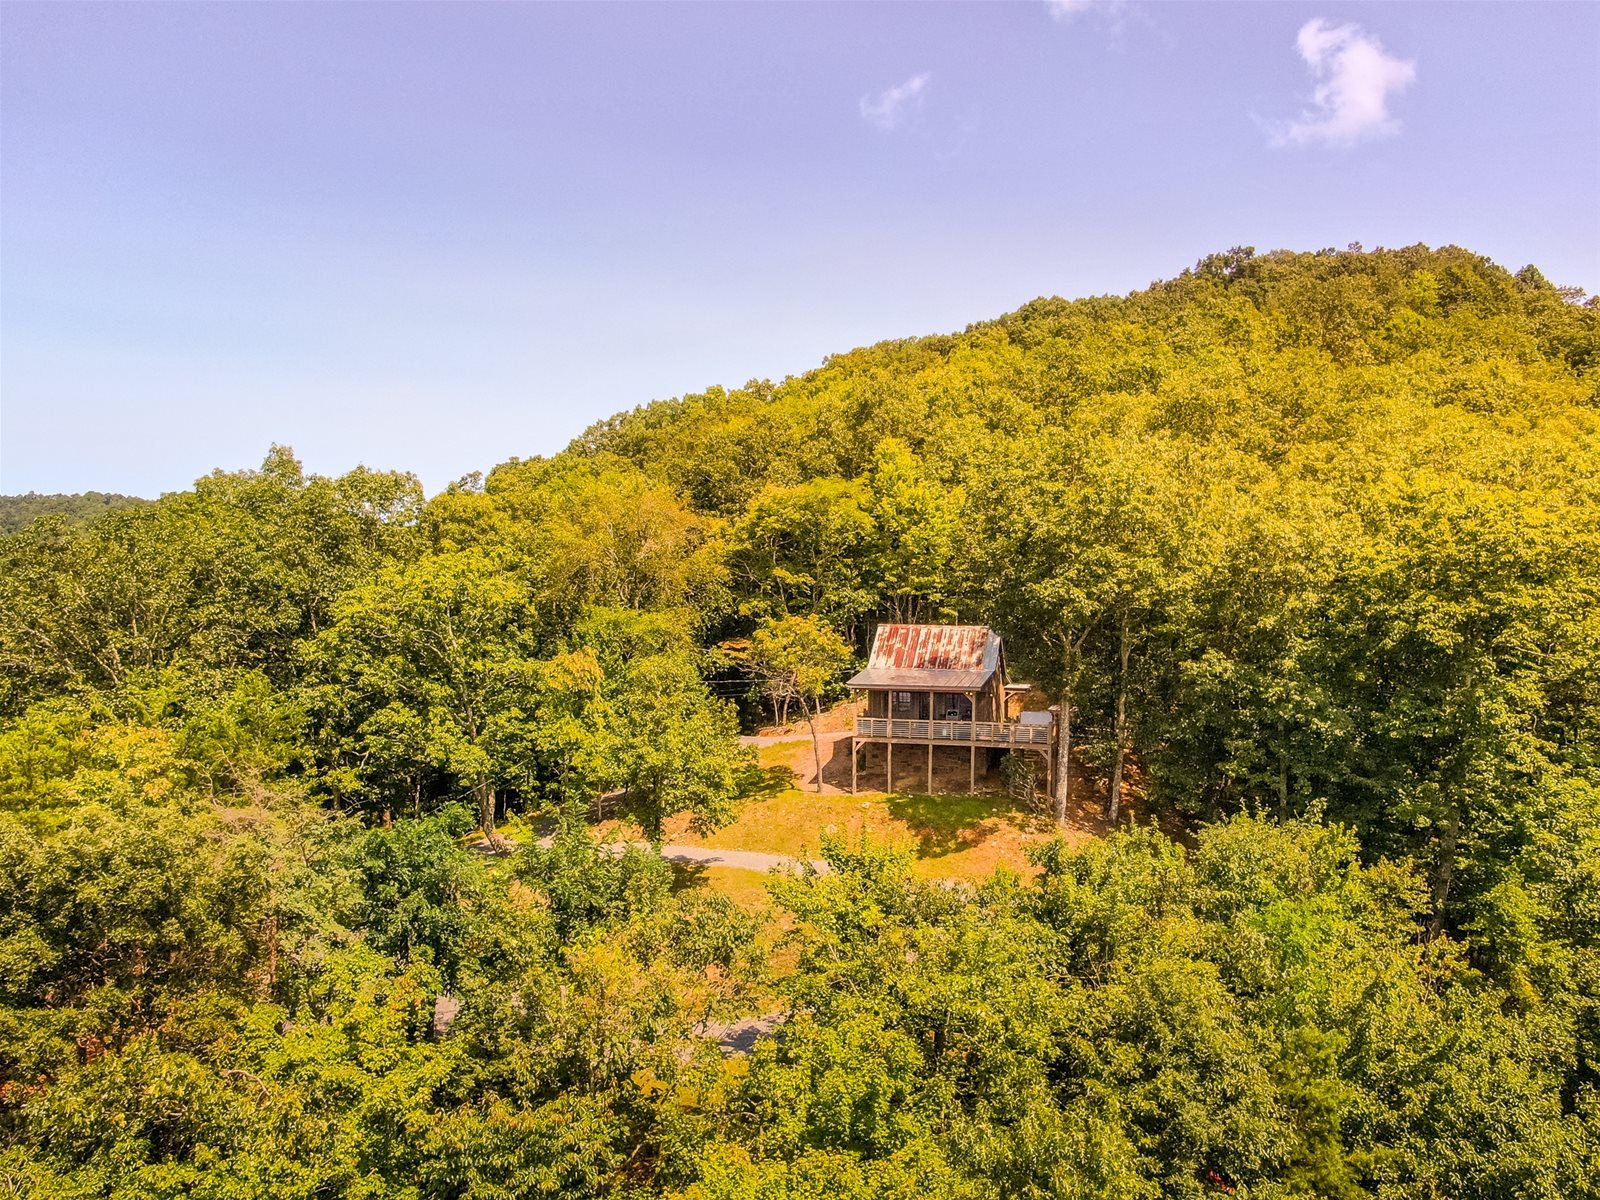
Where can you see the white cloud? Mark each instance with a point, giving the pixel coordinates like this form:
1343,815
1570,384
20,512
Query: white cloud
1116,17
1355,79
1065,10
890,107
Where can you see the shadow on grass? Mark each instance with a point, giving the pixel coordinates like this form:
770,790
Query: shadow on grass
948,824
763,783
687,875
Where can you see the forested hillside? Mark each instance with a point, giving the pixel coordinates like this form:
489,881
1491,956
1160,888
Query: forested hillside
1307,544
18,511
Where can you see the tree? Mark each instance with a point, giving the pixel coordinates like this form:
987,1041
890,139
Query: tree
599,532
419,898
799,550
1456,630
913,528
1092,542
590,885
1305,544
651,729
230,576
798,659
430,668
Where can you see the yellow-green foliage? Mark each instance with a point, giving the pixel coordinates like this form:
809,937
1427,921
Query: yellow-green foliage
1308,544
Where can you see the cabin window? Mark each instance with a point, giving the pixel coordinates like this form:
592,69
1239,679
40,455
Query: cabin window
900,703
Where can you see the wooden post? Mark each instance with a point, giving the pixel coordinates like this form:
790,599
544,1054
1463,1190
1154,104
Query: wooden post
972,742
930,743
888,750
852,764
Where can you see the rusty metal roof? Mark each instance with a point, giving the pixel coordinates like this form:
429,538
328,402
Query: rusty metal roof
955,658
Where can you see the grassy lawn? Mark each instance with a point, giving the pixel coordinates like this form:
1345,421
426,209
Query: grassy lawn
953,837
747,889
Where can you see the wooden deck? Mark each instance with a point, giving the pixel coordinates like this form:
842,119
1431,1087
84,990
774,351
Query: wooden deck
959,733
971,735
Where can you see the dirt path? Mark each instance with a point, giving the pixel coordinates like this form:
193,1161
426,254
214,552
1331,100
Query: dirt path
838,719
748,860
740,1037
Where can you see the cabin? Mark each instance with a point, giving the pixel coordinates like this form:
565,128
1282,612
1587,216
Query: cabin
942,687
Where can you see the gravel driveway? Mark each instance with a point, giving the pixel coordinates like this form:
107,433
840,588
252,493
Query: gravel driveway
748,860
745,860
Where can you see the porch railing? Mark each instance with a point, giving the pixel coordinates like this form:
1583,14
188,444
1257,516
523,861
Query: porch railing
982,733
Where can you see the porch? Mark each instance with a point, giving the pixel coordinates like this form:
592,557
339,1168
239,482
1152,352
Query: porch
977,733
926,736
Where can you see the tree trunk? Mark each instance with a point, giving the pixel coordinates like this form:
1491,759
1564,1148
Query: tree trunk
1444,872
652,818
272,954
484,794
1119,730
816,746
1063,795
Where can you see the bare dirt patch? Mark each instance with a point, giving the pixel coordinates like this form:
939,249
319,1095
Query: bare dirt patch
833,720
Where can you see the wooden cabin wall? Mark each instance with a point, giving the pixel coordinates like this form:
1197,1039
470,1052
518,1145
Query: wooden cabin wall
991,701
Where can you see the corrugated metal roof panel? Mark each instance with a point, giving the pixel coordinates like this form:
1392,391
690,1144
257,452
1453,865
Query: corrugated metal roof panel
952,657
920,681
936,647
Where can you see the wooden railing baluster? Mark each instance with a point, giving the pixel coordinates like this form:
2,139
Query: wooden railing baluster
983,733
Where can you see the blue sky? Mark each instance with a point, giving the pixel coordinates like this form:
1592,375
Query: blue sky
435,236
